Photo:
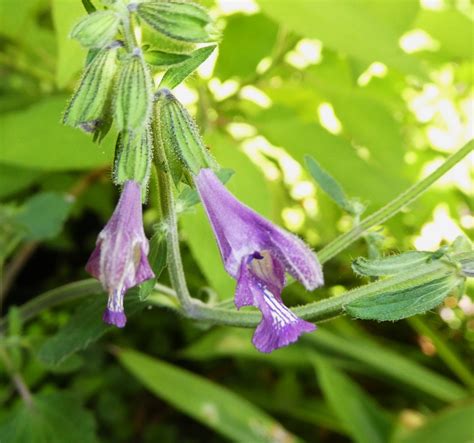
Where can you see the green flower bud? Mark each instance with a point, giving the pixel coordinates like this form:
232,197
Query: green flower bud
133,101
133,155
96,30
178,20
175,131
88,107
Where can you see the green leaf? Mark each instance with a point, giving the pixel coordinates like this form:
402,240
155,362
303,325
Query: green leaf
11,232
451,425
359,414
211,404
388,364
35,138
252,37
370,182
403,303
366,30
84,328
14,179
451,28
328,184
70,56
43,215
162,58
178,73
17,17
391,265
53,418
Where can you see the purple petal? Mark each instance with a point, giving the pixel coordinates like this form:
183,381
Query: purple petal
240,231
93,264
268,337
279,326
299,261
114,318
120,260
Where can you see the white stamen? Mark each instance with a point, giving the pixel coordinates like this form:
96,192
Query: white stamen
281,315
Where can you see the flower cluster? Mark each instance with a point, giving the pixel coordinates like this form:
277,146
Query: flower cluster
156,132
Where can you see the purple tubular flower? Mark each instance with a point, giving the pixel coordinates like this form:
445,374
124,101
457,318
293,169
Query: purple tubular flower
257,253
119,259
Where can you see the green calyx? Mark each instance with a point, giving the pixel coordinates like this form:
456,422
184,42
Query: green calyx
133,156
177,134
88,108
96,30
134,94
178,20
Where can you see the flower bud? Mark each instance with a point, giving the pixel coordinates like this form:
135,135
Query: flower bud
176,133
134,94
88,106
178,20
96,30
133,159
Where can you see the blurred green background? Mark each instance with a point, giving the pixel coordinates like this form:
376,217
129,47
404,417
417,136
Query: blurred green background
379,92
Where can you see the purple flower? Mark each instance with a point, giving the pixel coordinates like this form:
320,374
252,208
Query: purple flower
257,253
119,259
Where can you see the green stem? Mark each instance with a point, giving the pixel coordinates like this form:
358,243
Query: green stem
327,308
392,208
55,297
17,378
168,211
445,352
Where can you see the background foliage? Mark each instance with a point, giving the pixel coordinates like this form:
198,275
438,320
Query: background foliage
379,92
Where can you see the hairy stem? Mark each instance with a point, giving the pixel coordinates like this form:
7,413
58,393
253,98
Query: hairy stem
392,208
168,211
192,308
17,378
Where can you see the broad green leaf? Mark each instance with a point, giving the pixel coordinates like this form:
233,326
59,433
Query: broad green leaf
84,328
370,182
17,17
211,404
43,215
454,424
366,30
360,415
388,364
178,73
237,343
35,138
163,59
249,186
327,183
390,265
11,232
53,418
452,29
70,55
371,124
14,179
252,37
403,303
